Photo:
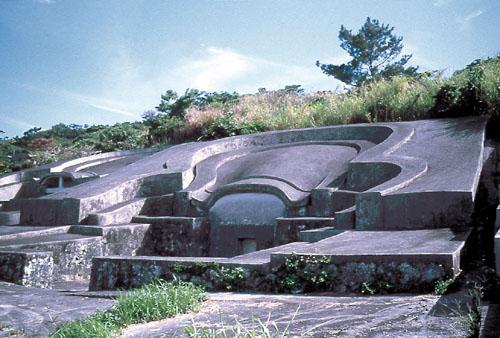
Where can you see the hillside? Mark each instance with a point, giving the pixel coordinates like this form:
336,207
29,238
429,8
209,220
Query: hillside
197,115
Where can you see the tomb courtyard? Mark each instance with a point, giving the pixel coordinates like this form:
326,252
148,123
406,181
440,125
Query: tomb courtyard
337,231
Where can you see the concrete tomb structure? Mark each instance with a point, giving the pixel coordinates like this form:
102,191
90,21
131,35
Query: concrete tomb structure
331,208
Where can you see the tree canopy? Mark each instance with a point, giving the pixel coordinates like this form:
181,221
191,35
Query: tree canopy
375,54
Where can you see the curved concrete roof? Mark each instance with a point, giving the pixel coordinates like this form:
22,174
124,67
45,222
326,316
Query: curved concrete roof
385,165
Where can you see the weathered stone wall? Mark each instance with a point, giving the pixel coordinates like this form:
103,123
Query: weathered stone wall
72,259
27,268
179,236
294,274
70,254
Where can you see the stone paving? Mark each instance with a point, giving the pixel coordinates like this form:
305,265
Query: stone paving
316,316
33,312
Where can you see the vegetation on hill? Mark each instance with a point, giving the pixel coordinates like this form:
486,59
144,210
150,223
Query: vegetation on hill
198,115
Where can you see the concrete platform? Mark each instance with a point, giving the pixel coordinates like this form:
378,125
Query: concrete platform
406,260
49,238
314,316
25,252
32,312
315,235
418,242
17,229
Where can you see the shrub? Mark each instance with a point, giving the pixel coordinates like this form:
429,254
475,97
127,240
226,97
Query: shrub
472,91
121,136
162,128
41,143
442,286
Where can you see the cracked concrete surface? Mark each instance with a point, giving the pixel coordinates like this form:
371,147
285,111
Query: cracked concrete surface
315,316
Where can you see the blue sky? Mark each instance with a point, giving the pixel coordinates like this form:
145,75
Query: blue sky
102,62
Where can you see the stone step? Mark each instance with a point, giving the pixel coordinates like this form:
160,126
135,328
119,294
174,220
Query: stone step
22,231
345,219
326,201
117,239
33,269
161,220
41,240
288,228
315,235
10,217
102,230
118,213
264,256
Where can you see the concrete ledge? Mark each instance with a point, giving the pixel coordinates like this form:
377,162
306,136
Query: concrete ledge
27,268
114,272
124,239
119,213
72,254
315,235
73,247
165,220
288,229
20,231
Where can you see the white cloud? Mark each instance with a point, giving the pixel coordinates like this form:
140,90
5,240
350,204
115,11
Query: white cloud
441,3
217,69
473,15
465,21
100,103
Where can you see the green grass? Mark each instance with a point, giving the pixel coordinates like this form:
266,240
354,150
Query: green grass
152,302
397,99
473,317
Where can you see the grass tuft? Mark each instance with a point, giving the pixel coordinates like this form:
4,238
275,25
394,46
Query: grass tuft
152,302
256,329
